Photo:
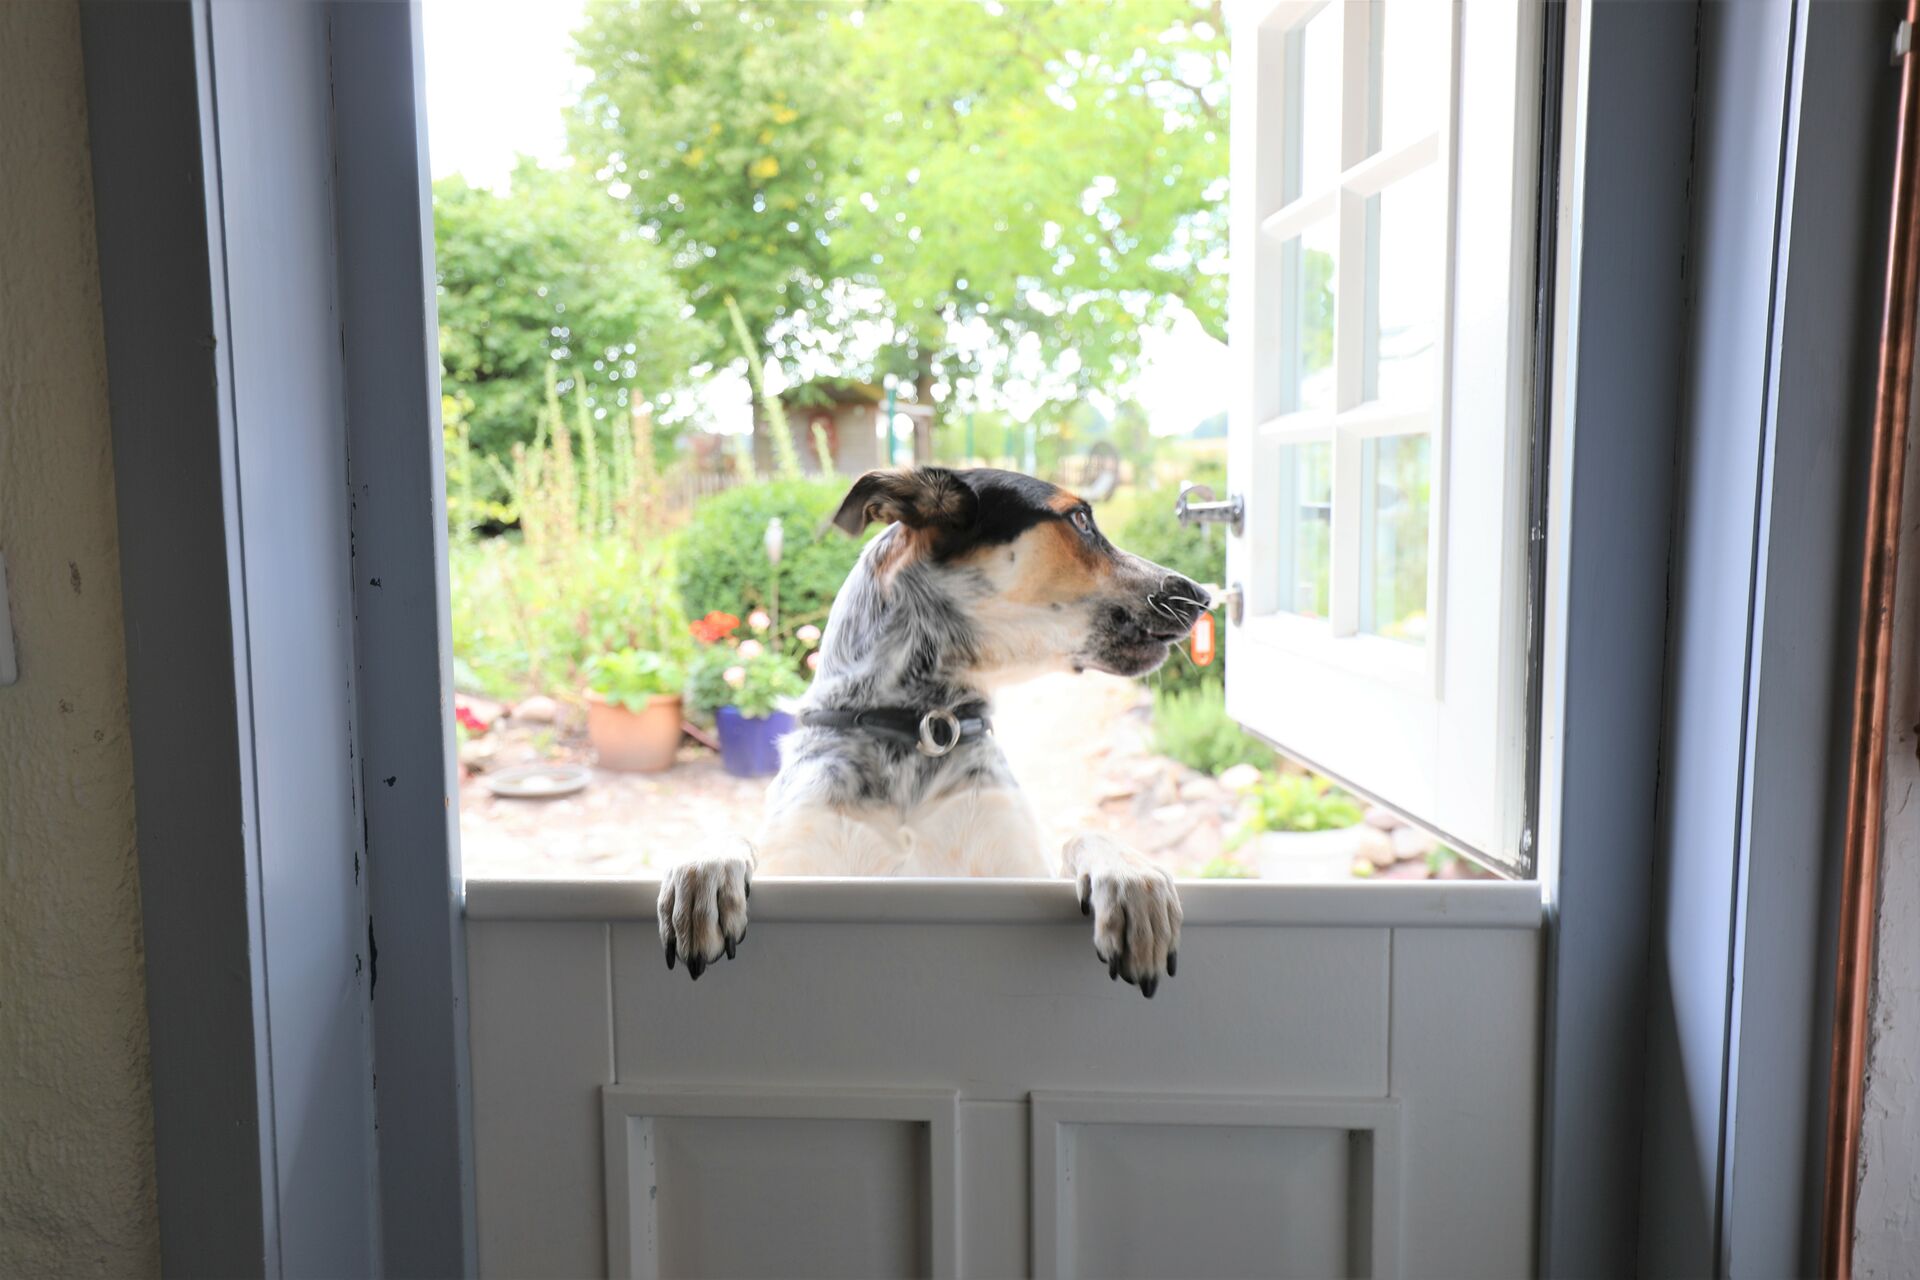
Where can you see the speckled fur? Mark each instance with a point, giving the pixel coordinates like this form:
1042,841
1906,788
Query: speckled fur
986,578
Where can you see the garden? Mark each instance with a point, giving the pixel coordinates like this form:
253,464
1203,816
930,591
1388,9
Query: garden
666,354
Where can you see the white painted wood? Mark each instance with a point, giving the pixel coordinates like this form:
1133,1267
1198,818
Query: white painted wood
995,1190
1317,686
1164,1185
1000,1010
1466,1031
822,900
541,1028
702,1181
842,1033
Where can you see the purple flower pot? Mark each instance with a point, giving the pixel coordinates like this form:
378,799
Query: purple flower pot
750,746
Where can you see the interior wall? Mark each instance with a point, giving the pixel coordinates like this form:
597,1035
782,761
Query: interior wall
1887,1216
76,1121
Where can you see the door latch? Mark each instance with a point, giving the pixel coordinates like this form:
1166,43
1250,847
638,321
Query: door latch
1196,505
1229,599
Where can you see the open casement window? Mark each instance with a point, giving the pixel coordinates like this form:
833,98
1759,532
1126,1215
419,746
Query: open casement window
1384,186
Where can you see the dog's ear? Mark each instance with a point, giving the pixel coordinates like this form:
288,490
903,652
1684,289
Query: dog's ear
923,498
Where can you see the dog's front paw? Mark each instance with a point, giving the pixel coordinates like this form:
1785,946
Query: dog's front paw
1135,910
703,907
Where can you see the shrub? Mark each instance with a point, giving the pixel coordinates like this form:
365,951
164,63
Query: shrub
1192,726
1150,530
1298,802
526,623
723,554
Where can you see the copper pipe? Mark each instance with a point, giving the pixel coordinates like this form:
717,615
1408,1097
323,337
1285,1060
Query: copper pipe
1873,669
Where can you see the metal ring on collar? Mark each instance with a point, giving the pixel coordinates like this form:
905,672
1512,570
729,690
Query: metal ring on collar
929,744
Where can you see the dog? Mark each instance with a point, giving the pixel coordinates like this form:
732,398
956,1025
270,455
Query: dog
983,579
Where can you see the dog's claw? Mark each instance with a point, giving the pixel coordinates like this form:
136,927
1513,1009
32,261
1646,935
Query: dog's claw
695,967
1173,963
730,948
671,949
1135,909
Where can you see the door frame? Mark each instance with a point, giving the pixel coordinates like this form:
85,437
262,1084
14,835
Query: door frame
232,1197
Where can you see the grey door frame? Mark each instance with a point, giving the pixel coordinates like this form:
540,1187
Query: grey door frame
231,933
265,246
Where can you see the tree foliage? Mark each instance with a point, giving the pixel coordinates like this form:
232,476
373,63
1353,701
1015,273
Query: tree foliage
1054,168
720,124
1045,176
551,274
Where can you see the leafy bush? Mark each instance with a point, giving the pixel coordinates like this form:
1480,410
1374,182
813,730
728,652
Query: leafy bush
754,681
1192,726
723,553
1298,802
526,623
1150,530
632,678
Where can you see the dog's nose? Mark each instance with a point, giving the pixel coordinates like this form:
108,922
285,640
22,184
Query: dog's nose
1185,595
1180,600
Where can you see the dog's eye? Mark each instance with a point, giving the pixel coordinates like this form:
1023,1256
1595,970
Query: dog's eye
1083,522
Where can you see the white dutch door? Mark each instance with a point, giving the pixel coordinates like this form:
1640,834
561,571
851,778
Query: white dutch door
934,1078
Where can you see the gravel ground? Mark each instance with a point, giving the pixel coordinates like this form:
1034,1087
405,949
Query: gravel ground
1080,745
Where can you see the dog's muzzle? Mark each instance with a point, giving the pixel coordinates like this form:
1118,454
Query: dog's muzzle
932,732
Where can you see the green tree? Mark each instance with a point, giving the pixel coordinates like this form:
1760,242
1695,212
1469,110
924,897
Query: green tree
1054,168
720,123
551,275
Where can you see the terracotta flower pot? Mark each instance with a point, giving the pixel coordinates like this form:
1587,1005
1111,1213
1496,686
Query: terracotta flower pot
637,741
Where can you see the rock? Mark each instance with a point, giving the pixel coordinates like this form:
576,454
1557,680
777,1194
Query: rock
1375,845
539,709
1202,844
1240,777
1199,789
1169,814
478,753
1411,869
1412,842
1383,819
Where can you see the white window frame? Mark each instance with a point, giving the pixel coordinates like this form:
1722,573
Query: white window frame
1452,753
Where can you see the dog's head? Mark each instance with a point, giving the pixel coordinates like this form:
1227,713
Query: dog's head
1023,564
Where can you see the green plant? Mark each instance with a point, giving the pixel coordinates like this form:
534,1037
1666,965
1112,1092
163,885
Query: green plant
1224,867
1297,802
752,678
1192,726
723,554
526,621
632,678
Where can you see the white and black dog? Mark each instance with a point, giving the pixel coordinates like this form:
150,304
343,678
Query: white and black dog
985,578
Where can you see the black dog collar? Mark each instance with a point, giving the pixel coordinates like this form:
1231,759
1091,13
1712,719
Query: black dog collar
934,732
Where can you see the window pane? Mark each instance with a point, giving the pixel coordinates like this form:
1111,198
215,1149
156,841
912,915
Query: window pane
1396,479
1405,268
1306,324
1306,487
1313,105
1406,70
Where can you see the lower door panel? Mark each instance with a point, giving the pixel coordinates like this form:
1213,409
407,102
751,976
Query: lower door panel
889,1081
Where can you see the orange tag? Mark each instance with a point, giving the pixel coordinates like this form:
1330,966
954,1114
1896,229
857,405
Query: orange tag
1202,647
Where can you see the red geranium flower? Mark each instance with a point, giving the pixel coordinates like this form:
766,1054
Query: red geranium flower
715,626
468,720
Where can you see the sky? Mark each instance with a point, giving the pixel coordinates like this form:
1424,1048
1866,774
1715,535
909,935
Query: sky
500,74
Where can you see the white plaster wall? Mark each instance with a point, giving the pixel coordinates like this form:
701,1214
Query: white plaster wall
76,1121
1887,1223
